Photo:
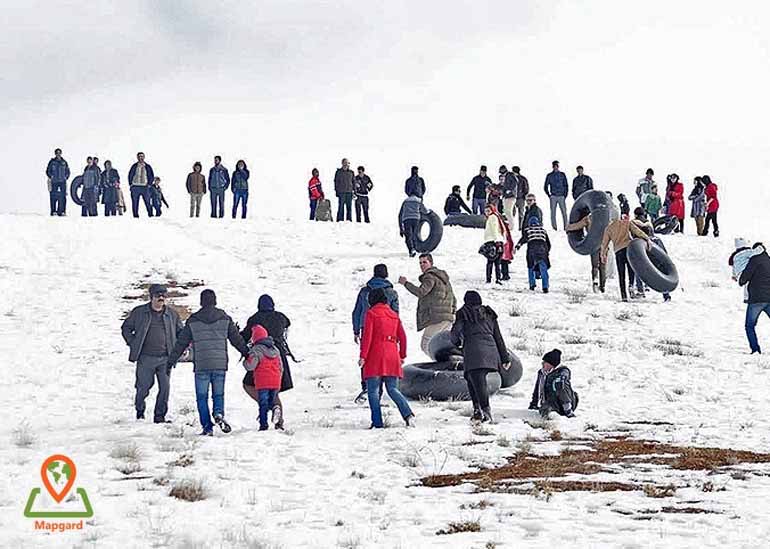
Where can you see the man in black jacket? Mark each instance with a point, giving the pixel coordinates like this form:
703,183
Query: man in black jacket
522,190
553,389
757,276
362,184
415,185
533,210
581,183
454,203
479,185
208,330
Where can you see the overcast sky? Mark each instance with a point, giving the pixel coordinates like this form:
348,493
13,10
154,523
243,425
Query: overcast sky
679,86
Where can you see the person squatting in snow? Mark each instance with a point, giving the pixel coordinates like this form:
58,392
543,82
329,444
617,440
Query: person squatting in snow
553,388
383,349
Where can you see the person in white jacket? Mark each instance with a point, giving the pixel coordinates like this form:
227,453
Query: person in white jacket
494,238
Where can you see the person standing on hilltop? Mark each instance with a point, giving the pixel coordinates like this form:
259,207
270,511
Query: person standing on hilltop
58,172
362,184
196,186
415,185
140,176
343,188
240,188
219,181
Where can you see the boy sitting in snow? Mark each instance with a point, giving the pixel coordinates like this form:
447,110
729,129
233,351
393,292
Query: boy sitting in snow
553,390
265,361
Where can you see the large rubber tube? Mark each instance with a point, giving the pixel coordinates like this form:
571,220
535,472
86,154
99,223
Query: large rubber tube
599,205
76,192
654,267
434,236
428,380
440,347
512,375
666,224
466,220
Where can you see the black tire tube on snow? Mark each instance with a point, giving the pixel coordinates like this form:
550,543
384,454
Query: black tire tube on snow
420,381
434,237
654,267
466,220
665,225
440,347
75,186
512,375
599,205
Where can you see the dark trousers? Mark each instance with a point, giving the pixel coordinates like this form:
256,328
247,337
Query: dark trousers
313,206
147,369
680,229
621,261
89,203
598,269
58,198
477,388
156,204
138,192
110,208
504,269
344,205
496,264
711,217
217,197
362,205
241,197
410,231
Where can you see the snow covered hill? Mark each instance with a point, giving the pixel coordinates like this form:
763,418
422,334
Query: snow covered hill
677,373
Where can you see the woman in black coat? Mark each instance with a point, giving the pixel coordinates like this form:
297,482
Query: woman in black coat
276,323
476,331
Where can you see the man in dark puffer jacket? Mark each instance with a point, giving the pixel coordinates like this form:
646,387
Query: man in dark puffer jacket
208,330
757,276
553,390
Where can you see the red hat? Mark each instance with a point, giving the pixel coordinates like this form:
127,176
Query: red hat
258,332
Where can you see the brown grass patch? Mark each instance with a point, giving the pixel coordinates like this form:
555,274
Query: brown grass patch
459,527
525,466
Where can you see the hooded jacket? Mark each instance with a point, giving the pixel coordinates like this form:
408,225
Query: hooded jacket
554,391
435,299
757,276
58,170
712,205
383,345
643,187
109,182
240,179
411,208
135,327
362,301
455,204
219,178
477,333
265,361
208,329
415,185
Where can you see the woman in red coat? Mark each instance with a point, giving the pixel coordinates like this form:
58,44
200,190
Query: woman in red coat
712,205
676,201
383,349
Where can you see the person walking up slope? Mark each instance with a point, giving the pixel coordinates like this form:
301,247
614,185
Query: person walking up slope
477,332
538,250
556,190
264,364
620,232
383,349
412,210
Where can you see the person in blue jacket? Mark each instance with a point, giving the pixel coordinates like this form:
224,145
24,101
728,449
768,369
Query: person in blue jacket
58,172
556,188
219,181
140,177
379,280
240,188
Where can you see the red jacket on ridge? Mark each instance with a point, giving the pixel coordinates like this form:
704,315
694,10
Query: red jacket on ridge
711,198
676,200
383,344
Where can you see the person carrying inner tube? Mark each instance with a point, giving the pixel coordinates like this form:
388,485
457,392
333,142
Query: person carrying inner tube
454,203
641,221
598,268
412,210
553,389
477,332
620,232
383,350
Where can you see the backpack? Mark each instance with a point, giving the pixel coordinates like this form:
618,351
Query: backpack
323,211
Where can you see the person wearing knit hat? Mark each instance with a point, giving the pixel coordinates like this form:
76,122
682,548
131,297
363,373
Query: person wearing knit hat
553,388
264,366
277,325
477,333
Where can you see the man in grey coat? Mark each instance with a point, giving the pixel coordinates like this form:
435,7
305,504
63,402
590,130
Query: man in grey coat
343,188
151,331
209,330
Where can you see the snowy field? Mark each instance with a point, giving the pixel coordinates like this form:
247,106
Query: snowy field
677,373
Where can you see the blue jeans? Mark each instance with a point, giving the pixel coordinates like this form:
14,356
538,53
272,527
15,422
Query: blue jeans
266,399
478,205
217,198
344,206
753,310
543,274
313,205
240,196
215,378
373,395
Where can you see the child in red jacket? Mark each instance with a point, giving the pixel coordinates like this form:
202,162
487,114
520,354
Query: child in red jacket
265,361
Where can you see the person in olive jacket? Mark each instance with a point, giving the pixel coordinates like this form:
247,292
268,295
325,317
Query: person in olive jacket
477,332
